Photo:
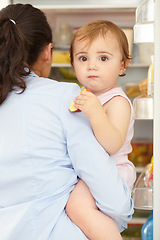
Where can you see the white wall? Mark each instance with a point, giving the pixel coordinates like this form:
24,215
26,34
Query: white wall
4,3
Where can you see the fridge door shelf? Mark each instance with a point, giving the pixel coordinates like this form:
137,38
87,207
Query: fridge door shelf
144,27
144,32
143,198
143,107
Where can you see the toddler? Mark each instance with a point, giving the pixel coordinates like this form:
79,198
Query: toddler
99,53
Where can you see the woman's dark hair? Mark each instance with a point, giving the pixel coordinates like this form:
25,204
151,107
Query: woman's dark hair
24,32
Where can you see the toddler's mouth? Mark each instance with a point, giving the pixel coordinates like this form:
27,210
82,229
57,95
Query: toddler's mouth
92,76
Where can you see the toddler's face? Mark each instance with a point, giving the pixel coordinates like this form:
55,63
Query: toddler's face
98,64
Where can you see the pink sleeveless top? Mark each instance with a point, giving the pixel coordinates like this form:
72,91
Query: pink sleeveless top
125,167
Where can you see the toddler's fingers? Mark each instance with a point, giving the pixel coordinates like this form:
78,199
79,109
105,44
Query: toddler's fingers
78,106
85,93
78,101
81,98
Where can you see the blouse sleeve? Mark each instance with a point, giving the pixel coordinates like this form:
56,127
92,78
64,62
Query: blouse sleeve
93,165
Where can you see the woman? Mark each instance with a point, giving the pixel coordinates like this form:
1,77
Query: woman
44,148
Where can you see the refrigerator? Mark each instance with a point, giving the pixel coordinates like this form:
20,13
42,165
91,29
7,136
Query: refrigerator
147,29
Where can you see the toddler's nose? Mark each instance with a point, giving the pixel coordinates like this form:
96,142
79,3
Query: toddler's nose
92,65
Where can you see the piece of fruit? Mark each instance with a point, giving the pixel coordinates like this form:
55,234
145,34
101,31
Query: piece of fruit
72,108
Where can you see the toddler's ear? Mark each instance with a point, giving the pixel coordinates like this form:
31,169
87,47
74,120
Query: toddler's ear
124,66
127,63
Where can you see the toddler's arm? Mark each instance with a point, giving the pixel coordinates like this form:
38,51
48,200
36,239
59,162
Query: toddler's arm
94,166
110,122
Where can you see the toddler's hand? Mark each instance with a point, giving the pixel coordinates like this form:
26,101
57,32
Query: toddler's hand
88,103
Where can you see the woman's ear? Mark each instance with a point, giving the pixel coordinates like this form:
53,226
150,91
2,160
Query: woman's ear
47,53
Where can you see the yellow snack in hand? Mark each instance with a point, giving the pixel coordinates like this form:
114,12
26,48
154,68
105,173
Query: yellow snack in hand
72,108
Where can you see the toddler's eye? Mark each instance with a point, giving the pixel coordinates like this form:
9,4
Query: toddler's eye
83,59
103,58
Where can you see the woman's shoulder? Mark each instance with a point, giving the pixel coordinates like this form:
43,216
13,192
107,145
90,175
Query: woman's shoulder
47,86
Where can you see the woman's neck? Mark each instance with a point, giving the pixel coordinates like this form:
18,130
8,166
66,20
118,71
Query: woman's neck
37,71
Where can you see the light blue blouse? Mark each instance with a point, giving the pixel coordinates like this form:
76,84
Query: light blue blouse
43,148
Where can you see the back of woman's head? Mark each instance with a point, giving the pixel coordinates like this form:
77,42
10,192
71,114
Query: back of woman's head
24,32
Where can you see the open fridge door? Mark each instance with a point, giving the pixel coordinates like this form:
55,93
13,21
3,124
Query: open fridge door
147,29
